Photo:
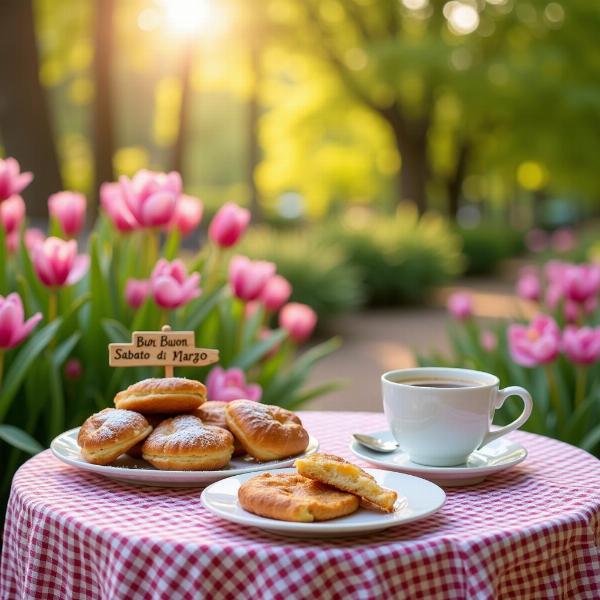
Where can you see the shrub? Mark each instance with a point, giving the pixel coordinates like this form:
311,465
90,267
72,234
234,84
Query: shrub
399,258
317,268
485,246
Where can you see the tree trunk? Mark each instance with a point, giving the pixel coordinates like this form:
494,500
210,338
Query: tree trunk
253,148
103,127
24,117
184,110
411,143
455,182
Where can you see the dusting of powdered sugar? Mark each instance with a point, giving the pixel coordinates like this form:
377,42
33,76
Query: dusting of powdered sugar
111,422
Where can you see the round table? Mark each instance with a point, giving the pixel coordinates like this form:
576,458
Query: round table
530,532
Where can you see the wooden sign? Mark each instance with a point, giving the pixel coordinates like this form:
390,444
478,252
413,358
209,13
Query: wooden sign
163,348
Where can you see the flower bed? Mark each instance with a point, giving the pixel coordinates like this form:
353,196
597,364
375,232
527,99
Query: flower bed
555,355
55,366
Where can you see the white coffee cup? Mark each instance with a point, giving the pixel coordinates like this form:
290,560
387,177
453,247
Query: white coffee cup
441,426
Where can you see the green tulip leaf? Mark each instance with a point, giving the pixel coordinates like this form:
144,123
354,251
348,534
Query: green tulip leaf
20,439
25,358
252,355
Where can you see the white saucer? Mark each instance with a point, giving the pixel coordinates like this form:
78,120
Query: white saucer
138,471
417,499
492,458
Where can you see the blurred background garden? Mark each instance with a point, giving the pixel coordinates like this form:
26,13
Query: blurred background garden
392,154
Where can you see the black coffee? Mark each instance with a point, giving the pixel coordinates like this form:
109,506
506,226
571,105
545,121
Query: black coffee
442,384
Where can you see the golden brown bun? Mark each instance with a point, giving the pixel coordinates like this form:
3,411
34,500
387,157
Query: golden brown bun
154,420
291,497
171,395
183,443
213,413
111,432
266,432
341,474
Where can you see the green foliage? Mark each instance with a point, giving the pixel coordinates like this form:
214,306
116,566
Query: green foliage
400,258
317,269
485,246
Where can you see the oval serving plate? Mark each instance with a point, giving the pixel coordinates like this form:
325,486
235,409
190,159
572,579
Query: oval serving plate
139,472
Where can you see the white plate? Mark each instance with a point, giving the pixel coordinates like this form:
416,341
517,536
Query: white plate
417,499
138,471
492,458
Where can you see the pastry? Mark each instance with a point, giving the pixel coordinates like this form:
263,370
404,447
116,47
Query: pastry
213,413
291,497
184,443
154,420
106,435
341,474
266,432
171,395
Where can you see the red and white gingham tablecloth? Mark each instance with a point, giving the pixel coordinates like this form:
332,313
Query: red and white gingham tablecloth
531,532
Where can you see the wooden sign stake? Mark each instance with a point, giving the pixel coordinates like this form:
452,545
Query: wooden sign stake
164,348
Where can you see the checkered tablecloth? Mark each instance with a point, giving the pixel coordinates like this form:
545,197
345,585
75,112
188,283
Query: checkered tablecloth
530,532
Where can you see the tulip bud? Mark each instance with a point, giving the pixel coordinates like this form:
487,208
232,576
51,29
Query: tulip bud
228,225
68,208
187,215
276,293
248,278
299,320
136,292
73,369
460,305
12,213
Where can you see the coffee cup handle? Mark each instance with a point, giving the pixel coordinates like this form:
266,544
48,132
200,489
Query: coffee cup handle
502,395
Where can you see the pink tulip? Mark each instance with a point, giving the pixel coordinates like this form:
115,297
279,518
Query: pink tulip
151,197
33,237
581,282
57,264
460,305
188,214
536,240
73,369
136,292
230,384
529,286
488,340
563,240
228,225
13,328
554,271
299,320
12,213
534,344
170,285
113,202
12,181
248,278
276,293
582,346
68,208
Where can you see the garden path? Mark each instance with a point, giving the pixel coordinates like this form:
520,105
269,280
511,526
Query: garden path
375,341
